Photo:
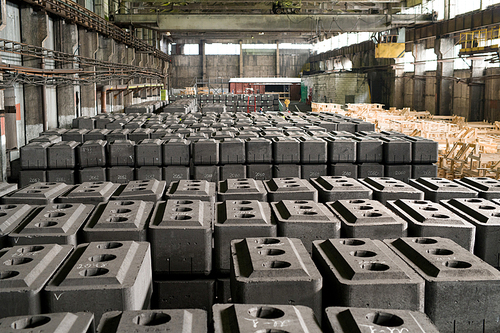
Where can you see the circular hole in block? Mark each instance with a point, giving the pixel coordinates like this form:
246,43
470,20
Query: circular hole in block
420,202
457,264
102,257
29,249
241,209
272,252
365,207
244,186
243,202
50,183
2,214
352,242
474,200
45,224
490,182
487,207
267,241
9,206
425,241
440,252
341,181
183,209
378,267
450,185
305,207
183,202
126,203
63,206
245,216
482,178
30,322
271,330
41,187
117,219
495,214
109,245
8,274
194,181
441,181
309,212
97,183
266,312
440,216
17,261
88,191
242,179
292,185
56,214
123,211
33,191
95,186
372,214
94,272
300,202
151,319
182,217
357,201
347,184
244,183
288,178
362,253
193,188
432,209
385,319
399,185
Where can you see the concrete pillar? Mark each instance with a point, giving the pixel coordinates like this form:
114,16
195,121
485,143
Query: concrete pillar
129,59
105,52
419,79
68,99
476,90
203,56
444,49
34,30
241,59
88,45
277,59
399,83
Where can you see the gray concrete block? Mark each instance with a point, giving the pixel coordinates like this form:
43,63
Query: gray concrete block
92,175
41,193
120,174
437,189
65,322
7,188
236,219
192,189
222,290
121,153
387,188
46,138
30,177
118,134
140,134
429,219
365,273
75,134
398,171
305,220
258,150
176,152
486,187
24,272
34,156
462,292
370,170
346,320
209,173
364,218
309,171
396,150
101,122
96,134
241,189
205,152
344,169
331,188
175,173
180,233
424,151
52,224
148,152
92,154
286,150
313,150
290,188
66,176
101,277
274,271
230,171
90,192
242,318
147,190
186,321
368,150
83,122
62,155
149,172
232,150
286,170
10,217
119,220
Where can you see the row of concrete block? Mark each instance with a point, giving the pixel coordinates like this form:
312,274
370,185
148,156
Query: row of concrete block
145,107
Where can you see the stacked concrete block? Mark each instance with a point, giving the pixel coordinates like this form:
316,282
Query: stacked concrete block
258,151
140,134
34,156
343,170
37,194
95,174
96,134
10,217
232,151
313,150
240,318
64,322
90,192
241,189
350,319
67,176
24,272
461,291
148,152
437,189
120,174
423,151
205,152
121,153
286,150
186,321
260,171
286,170
332,188
176,152
92,154
208,173
236,219
429,219
192,189
290,188
83,122
174,173
147,190
274,271
306,220
62,155
7,188
370,170
487,188
101,277
368,150
119,220
75,134
387,188
366,273
230,171
52,224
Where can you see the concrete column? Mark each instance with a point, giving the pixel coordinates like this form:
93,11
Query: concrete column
203,55
88,45
105,52
419,79
241,59
129,59
399,82
277,59
476,90
145,63
444,49
34,30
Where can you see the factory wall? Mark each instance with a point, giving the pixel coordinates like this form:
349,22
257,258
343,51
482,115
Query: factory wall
339,88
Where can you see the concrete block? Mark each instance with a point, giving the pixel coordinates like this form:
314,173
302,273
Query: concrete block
364,126
47,139
309,171
25,271
461,291
437,189
345,320
149,172
486,187
364,218
260,171
313,150
371,170
290,188
400,171
140,134
424,151
274,271
387,188
41,193
75,134
240,318
205,152
83,122
65,322
305,220
92,154
147,190
118,134
90,192
96,134
344,169
119,220
7,188
120,174
176,152
368,150
286,150
101,277
10,217
121,153
101,122
66,176
52,224
365,273
429,219
148,152
34,156
286,170
230,171
209,173
62,155
223,290
232,150
396,150
332,188
175,173
241,189
92,175
180,233
258,150
186,321
236,219
29,177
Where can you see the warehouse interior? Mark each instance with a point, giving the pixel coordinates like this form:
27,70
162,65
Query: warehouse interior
376,122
